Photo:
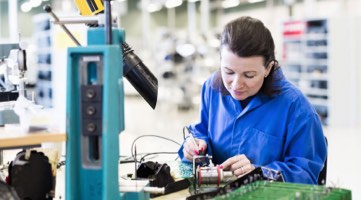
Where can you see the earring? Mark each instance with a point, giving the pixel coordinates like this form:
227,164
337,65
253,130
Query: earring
265,76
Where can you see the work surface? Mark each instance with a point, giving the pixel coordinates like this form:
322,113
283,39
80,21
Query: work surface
11,138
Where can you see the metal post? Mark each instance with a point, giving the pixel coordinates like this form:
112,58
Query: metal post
13,20
108,22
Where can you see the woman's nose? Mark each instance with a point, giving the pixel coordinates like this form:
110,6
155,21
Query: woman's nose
237,82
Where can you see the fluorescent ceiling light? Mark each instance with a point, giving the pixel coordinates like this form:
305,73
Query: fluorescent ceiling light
230,3
186,50
255,1
154,7
35,3
173,3
26,6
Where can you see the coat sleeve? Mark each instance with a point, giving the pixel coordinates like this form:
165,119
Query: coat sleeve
305,147
200,129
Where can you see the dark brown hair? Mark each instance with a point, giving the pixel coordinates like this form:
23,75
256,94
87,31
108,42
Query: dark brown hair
245,37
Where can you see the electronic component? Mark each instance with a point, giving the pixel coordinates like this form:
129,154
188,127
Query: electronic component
260,173
159,176
211,175
205,173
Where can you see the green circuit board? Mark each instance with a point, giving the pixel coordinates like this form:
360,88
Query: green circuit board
286,191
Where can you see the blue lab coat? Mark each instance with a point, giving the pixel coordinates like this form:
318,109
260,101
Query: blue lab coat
282,133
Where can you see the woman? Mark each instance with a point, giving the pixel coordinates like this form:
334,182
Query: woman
252,116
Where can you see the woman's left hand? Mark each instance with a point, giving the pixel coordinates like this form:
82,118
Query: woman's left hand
238,164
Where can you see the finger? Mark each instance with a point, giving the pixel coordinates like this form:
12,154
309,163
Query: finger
188,151
187,155
244,170
240,171
189,147
193,146
226,165
242,162
202,145
231,163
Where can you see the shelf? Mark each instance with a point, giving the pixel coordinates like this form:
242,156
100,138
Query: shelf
315,91
306,62
315,36
318,102
315,61
307,76
307,37
315,49
43,41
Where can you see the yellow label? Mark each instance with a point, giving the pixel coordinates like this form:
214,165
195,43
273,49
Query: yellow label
89,7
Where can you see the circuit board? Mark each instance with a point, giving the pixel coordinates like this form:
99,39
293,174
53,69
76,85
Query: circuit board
181,169
286,191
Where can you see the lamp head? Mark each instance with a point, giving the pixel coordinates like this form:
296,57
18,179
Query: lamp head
139,76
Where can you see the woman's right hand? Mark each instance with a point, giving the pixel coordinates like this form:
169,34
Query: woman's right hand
190,149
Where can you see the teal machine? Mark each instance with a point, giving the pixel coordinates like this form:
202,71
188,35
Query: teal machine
95,109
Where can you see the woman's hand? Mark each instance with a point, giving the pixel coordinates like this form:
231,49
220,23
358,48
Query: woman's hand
190,149
238,164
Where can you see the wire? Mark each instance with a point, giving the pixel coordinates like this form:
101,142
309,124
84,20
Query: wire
155,153
184,133
130,159
60,164
132,147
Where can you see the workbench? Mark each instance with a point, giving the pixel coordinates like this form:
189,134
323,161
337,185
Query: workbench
10,139
13,139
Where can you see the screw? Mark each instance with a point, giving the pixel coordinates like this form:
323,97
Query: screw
90,110
90,93
91,127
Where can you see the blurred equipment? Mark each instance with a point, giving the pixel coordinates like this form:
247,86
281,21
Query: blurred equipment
160,177
7,192
95,109
31,175
12,80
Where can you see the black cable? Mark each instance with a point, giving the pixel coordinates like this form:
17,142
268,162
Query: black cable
132,147
60,164
129,159
126,161
155,153
184,133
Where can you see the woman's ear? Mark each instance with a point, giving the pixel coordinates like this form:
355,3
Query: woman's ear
269,68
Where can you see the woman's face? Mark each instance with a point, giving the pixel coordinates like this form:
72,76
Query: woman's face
242,76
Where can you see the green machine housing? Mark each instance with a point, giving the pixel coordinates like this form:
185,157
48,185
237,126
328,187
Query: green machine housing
95,118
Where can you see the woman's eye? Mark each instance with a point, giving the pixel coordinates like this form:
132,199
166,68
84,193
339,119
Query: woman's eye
228,72
249,75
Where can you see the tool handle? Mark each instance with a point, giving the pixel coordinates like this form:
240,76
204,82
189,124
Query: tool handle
48,9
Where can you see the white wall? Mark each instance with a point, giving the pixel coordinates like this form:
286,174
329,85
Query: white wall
344,79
